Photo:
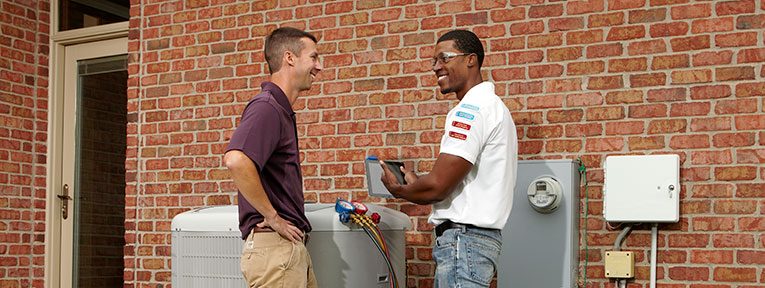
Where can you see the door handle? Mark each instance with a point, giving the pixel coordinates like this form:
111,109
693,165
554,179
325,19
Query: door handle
65,204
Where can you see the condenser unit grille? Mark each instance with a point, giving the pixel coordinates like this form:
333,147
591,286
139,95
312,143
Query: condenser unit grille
207,259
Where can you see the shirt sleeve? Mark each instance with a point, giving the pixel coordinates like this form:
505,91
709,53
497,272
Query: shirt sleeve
463,135
258,133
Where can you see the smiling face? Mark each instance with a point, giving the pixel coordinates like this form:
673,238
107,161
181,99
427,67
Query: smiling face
452,75
307,64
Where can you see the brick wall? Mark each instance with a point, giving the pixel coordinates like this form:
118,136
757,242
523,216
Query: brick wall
23,125
582,78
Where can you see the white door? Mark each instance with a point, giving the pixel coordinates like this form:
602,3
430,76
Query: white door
91,149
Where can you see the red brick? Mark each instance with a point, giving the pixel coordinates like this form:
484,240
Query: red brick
750,89
564,54
735,173
668,29
712,58
544,131
624,128
624,97
605,20
750,122
605,82
555,146
565,24
750,156
711,124
666,95
712,25
625,33
547,40
691,76
604,144
734,7
667,126
625,4
732,274
710,92
647,16
525,57
545,11
750,22
524,28
646,143
732,241
512,14
604,50
691,11
736,39
688,240
542,71
646,80
584,7
648,47
584,99
689,142
512,43
584,37
604,113
540,102
670,62
648,111
734,73
698,42
689,273
690,109
586,68
561,116
627,65
751,55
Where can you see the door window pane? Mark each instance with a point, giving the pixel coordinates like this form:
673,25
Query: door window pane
100,165
75,14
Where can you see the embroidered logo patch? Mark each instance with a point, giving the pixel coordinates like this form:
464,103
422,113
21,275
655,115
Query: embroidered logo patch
465,115
469,106
457,135
461,125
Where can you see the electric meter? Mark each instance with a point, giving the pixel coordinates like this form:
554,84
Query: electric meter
545,194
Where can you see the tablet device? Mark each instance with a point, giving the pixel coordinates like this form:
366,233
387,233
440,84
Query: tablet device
374,172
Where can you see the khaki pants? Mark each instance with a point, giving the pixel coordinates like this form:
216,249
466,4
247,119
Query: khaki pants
268,260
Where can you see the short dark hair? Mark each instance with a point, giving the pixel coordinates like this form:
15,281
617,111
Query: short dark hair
466,42
281,40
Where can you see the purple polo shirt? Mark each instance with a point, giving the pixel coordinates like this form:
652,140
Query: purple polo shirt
268,136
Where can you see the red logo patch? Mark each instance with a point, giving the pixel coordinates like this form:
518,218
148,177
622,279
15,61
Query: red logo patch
457,135
461,125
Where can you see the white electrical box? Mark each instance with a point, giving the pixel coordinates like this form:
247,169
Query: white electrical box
642,188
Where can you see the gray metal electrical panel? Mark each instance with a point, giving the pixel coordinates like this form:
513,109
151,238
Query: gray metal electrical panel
540,246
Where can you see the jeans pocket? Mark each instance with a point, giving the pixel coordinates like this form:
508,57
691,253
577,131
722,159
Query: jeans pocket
482,254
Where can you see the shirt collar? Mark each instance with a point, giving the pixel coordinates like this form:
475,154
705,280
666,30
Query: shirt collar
278,94
482,88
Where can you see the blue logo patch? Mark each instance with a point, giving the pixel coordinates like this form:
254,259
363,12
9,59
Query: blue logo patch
469,106
465,115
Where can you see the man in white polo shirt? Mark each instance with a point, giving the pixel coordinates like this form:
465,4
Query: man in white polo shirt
472,180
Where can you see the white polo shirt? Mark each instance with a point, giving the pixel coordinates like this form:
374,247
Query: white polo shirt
480,130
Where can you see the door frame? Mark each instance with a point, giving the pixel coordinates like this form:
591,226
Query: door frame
54,170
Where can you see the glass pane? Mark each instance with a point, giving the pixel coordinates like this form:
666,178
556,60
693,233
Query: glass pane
101,143
75,14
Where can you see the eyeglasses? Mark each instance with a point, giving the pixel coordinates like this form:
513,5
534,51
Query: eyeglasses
445,57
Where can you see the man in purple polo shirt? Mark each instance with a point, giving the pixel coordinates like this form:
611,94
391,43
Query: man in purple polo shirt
264,162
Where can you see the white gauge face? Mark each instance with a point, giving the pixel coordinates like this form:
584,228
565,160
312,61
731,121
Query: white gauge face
544,194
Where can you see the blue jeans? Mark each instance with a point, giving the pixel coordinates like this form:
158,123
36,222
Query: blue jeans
466,257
